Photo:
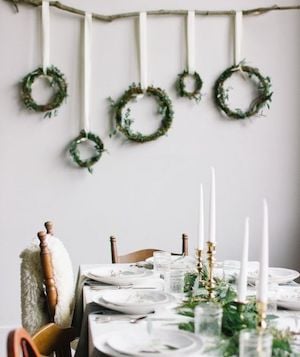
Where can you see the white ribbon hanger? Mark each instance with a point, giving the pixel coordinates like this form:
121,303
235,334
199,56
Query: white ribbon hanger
87,70
45,35
238,35
143,50
191,42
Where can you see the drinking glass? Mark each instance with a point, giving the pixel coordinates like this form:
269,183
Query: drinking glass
174,279
161,262
208,321
255,344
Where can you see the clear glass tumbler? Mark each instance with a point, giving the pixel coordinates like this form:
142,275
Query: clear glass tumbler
174,279
208,321
161,262
255,344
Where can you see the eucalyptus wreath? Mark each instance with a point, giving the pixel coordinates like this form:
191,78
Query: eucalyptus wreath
263,97
75,153
56,81
181,86
124,122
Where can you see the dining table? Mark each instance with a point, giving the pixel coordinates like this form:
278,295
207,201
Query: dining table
96,323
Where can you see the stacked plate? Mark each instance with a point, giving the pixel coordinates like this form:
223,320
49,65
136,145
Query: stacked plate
133,301
276,275
119,276
137,342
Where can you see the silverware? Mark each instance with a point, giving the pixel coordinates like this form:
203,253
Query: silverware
116,287
130,319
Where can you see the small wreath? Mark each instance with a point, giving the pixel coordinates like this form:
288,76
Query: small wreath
75,153
56,81
263,86
181,87
124,122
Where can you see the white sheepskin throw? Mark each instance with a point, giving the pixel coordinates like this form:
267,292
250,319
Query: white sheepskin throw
33,300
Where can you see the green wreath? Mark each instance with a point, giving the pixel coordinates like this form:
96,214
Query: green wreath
56,81
75,153
263,87
124,122
181,87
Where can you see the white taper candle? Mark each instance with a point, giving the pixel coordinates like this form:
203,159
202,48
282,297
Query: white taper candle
201,220
262,293
212,216
242,283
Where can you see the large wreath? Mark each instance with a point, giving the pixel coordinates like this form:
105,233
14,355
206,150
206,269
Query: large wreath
56,81
181,87
75,153
124,122
263,88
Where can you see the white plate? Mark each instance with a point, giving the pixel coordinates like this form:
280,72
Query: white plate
276,275
139,343
134,297
289,304
102,345
282,275
131,309
119,276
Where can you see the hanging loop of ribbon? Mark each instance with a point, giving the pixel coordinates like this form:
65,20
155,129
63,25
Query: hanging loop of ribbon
45,35
143,50
238,35
87,71
191,42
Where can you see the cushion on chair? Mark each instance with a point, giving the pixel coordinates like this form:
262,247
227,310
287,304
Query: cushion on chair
33,300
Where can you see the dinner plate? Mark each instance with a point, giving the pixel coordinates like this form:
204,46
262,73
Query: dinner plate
138,309
139,343
101,343
135,297
180,259
289,304
276,275
119,276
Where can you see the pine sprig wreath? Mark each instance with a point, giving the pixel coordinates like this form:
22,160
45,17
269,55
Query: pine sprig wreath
56,81
181,86
75,153
123,121
262,99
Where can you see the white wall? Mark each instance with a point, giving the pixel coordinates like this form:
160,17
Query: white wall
147,194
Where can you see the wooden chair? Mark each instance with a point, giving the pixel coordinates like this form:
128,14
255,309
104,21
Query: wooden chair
47,268
49,339
19,341
140,255
53,338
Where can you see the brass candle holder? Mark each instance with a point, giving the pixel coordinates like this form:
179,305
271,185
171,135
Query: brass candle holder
262,315
199,261
211,251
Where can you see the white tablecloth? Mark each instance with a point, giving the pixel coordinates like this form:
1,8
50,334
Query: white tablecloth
87,319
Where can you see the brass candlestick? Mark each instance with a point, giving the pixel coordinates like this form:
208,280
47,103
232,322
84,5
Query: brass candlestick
199,261
262,315
211,251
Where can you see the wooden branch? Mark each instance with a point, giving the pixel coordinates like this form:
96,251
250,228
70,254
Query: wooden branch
109,18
